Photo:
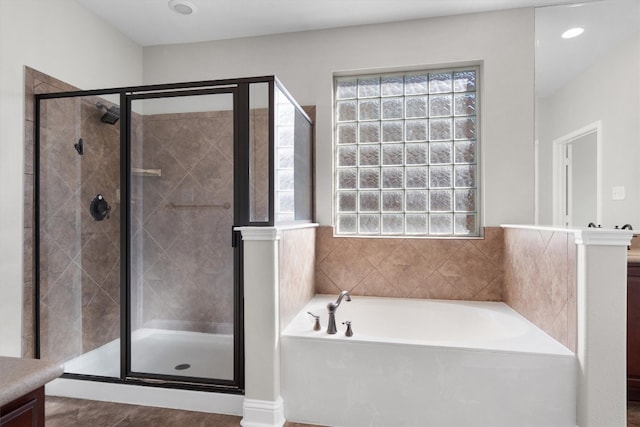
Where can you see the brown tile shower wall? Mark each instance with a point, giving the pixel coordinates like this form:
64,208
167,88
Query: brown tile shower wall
182,266
259,164
79,257
461,269
297,249
540,280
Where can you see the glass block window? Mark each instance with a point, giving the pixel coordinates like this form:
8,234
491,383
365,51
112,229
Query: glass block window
406,147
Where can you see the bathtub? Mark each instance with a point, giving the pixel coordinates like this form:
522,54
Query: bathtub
425,363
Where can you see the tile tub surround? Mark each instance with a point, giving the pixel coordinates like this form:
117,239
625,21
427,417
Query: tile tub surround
549,301
460,269
296,271
491,269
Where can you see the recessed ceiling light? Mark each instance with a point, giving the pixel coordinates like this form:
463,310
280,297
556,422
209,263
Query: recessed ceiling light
182,7
573,32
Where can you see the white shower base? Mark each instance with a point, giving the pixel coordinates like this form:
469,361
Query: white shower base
159,351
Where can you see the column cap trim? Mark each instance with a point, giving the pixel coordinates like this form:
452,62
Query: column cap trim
259,233
584,236
603,237
270,233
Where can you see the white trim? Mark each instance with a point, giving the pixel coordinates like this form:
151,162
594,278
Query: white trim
263,413
270,233
585,236
603,237
539,227
259,233
216,403
296,226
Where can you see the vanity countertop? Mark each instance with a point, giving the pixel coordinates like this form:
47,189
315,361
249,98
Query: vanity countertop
21,376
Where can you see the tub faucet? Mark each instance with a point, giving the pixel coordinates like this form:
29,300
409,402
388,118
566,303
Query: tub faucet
627,227
333,306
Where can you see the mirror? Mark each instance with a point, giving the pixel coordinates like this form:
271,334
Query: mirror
588,114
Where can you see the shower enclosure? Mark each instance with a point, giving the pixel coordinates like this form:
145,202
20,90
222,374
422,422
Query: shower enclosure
138,267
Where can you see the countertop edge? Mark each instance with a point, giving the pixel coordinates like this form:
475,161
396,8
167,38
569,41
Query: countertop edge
21,376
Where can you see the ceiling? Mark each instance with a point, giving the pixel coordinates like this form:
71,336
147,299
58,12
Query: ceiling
152,22
606,24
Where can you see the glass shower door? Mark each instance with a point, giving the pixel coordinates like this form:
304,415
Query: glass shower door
182,272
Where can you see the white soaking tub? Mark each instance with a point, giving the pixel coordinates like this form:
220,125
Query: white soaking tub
417,362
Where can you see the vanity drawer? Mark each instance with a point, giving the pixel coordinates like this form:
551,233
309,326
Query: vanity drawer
26,411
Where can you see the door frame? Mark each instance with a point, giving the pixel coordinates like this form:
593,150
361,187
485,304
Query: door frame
562,186
178,381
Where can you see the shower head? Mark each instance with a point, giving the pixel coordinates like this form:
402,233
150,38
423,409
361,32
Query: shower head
111,115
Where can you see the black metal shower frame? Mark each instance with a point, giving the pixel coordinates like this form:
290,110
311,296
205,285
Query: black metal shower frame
240,90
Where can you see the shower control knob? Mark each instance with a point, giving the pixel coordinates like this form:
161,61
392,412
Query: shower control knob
99,208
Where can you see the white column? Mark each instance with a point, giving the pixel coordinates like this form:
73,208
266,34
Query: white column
601,326
263,406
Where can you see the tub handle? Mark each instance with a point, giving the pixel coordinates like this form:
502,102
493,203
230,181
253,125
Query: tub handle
316,324
349,331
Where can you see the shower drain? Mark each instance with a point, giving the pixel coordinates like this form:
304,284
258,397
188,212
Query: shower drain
182,367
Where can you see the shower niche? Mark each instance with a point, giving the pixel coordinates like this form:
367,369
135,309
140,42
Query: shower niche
137,194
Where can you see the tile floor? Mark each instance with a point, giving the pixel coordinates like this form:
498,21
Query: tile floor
65,412
633,414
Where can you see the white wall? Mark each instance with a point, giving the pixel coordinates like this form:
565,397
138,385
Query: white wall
609,90
60,38
305,62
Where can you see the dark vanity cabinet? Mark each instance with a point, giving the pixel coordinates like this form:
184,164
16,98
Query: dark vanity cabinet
22,383
25,411
633,331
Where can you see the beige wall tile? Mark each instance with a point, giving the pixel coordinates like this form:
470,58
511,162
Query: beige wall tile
414,268
539,280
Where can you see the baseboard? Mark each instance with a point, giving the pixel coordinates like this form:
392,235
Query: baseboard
188,400
262,413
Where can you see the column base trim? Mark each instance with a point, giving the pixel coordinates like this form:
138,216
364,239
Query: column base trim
262,413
